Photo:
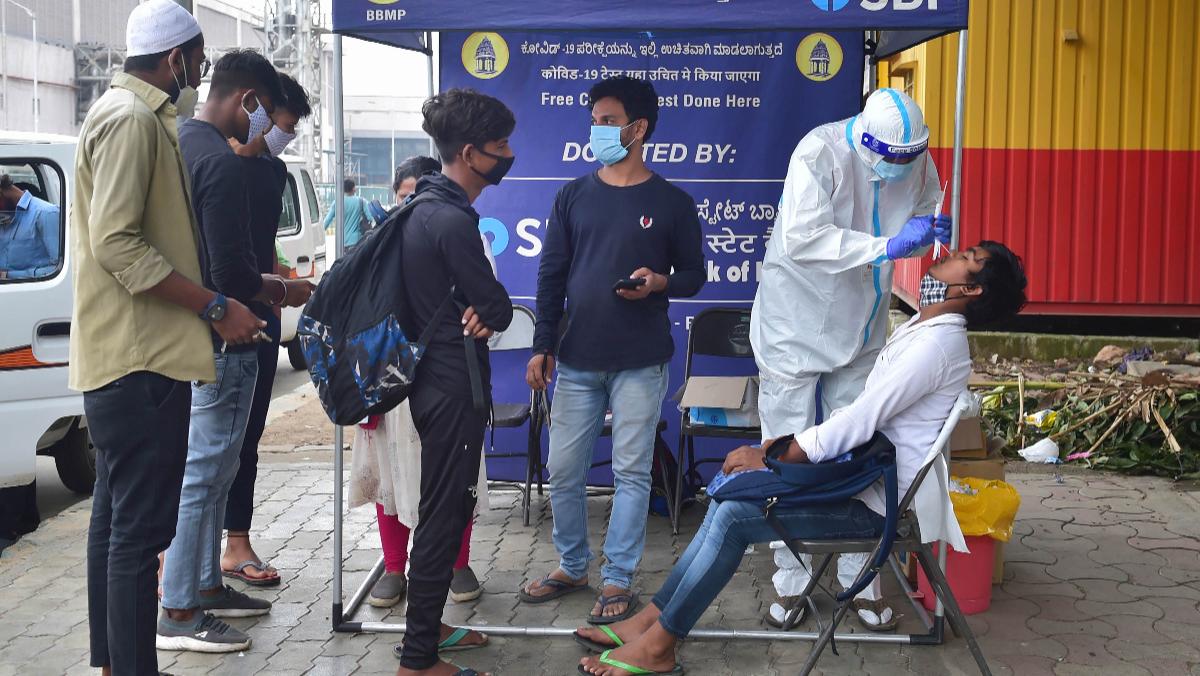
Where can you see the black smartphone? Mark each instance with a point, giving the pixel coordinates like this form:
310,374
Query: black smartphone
629,284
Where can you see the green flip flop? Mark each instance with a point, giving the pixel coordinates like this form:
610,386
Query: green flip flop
636,671
596,646
452,643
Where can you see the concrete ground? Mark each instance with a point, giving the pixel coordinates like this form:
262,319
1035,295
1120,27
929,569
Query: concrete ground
1102,576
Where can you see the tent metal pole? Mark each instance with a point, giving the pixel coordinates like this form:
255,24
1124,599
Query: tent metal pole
960,98
429,72
339,164
701,634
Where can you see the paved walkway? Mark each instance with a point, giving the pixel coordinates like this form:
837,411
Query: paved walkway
1103,576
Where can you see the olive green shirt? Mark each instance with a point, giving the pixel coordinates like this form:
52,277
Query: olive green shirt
131,226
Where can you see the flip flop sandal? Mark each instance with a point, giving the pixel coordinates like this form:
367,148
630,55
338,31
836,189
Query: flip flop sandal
560,589
605,601
452,643
877,606
239,573
636,671
596,646
774,623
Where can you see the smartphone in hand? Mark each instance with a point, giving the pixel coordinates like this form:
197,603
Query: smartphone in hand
629,284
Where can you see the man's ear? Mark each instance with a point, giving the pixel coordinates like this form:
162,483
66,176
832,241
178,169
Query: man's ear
972,290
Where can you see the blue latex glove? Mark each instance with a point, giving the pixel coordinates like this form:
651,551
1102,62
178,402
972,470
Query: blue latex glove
943,225
918,233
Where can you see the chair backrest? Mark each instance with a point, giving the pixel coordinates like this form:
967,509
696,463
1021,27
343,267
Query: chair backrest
718,332
518,335
963,404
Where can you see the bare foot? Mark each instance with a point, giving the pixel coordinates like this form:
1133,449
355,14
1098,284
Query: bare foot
653,650
537,589
238,550
439,669
626,630
614,608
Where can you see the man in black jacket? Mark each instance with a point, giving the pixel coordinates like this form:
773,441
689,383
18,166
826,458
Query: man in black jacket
441,254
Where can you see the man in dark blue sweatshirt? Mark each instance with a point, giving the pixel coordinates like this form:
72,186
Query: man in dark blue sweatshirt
622,222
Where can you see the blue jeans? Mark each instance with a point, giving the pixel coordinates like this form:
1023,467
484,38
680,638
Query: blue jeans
581,398
729,527
218,426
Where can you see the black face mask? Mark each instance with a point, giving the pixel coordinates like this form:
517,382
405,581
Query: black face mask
498,171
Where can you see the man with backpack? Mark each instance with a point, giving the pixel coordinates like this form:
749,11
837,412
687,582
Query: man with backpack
451,393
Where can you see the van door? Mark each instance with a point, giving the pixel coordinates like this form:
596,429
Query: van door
35,292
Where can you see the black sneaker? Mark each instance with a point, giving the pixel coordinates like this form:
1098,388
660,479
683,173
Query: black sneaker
205,634
232,603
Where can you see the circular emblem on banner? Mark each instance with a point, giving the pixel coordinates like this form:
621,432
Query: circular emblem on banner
830,5
499,234
485,55
819,57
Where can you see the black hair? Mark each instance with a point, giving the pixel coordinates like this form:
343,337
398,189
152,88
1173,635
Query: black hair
1003,281
414,167
6,182
246,69
149,62
348,185
459,117
295,98
637,96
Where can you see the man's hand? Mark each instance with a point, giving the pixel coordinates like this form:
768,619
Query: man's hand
298,292
744,458
473,326
655,283
239,326
538,370
253,148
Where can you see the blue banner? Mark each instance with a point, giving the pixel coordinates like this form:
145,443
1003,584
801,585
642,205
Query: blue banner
385,20
732,108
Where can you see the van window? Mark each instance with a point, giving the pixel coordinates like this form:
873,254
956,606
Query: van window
289,218
314,207
32,220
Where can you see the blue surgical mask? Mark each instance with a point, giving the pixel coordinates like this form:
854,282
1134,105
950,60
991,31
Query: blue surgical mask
606,143
889,171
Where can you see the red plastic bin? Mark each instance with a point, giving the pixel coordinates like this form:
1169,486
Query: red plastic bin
970,575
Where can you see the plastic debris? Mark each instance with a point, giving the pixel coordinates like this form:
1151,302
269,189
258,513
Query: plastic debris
1044,451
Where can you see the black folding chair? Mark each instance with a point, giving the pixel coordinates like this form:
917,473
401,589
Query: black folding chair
908,540
519,336
715,332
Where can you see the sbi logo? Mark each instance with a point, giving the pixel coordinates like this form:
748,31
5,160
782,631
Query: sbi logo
876,5
528,231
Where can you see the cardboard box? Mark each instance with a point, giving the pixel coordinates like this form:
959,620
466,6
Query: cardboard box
722,401
968,440
988,468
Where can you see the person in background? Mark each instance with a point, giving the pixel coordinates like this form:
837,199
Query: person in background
441,254
356,216
860,193
244,91
918,375
266,176
404,183
29,238
138,324
622,221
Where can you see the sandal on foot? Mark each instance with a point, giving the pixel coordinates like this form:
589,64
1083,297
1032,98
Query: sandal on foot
771,621
630,599
636,671
597,647
560,589
239,573
451,643
877,607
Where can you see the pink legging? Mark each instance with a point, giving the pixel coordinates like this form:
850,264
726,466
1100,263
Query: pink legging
394,536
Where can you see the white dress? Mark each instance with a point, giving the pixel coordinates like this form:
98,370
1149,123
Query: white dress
386,464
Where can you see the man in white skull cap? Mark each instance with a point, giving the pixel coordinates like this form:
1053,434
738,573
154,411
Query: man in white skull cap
859,194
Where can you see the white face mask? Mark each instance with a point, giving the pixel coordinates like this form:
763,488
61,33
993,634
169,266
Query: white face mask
259,120
185,101
277,140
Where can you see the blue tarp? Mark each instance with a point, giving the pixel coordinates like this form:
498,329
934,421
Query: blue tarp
395,21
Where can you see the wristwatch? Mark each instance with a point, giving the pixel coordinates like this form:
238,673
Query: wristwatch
215,310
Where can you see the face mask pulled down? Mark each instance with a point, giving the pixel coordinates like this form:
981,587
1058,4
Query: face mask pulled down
933,290
186,99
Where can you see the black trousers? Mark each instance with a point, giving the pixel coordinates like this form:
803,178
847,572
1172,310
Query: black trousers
451,434
139,425
239,506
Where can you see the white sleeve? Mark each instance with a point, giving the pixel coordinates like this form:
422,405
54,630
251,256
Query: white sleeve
916,372
487,251
809,233
931,192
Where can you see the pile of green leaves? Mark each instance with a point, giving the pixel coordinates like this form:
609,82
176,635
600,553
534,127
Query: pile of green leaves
1117,423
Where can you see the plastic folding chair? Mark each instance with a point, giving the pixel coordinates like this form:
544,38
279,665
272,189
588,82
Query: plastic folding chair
907,540
715,332
519,336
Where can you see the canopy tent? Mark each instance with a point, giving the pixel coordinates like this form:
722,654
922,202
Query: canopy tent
408,24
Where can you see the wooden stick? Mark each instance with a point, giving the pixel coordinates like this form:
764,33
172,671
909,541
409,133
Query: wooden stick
1088,419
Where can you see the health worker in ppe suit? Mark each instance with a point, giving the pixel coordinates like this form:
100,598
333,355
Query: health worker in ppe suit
859,194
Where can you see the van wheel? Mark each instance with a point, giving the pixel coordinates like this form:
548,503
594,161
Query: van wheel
75,459
296,355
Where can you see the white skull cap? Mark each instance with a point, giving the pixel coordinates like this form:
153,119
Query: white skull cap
157,26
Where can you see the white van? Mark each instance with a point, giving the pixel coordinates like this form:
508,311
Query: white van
303,242
38,414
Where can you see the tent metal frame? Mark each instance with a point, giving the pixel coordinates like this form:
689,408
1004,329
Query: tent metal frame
342,615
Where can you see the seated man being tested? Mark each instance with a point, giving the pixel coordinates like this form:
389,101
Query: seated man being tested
913,386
